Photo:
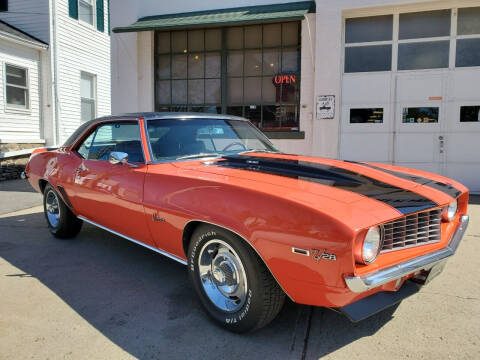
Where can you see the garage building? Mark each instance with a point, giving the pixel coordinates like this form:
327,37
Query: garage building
386,81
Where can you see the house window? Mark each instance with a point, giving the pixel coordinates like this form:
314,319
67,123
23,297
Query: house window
86,11
17,92
88,96
251,71
3,5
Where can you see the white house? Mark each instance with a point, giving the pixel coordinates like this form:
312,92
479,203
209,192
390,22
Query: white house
54,70
390,81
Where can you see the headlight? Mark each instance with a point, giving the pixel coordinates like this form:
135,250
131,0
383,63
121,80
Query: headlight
450,211
368,251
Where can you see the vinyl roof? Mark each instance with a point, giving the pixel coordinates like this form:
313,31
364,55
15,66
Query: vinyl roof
147,116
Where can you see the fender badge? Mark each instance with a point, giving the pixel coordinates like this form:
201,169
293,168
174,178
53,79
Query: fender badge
156,218
317,255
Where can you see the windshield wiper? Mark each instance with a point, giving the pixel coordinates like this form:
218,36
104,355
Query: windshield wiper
201,155
259,151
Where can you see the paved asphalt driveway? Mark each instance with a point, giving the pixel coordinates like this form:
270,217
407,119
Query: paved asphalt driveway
101,297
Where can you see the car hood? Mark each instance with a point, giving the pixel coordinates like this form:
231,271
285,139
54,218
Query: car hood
405,190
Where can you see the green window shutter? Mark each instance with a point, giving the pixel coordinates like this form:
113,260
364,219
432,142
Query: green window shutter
73,8
100,16
108,9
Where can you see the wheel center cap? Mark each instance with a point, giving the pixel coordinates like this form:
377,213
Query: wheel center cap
219,276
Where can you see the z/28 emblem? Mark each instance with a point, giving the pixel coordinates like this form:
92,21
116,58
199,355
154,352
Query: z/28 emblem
317,255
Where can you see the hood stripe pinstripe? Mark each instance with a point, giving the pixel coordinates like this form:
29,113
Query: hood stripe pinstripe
403,200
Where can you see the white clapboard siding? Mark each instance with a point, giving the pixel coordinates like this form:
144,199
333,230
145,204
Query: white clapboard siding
80,47
30,16
17,125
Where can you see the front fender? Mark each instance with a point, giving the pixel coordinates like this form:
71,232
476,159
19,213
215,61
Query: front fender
272,225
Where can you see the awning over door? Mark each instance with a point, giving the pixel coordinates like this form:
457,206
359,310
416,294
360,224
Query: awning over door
224,17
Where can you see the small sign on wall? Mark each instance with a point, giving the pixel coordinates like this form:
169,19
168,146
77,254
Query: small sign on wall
325,107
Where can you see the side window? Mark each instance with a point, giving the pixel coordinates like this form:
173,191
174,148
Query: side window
123,137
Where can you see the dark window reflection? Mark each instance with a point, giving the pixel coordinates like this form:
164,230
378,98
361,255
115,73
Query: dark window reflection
280,118
470,113
420,115
364,116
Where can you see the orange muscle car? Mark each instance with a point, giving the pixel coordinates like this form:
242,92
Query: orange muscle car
252,224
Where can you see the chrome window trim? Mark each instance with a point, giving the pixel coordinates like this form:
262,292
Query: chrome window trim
74,147
170,256
193,117
374,279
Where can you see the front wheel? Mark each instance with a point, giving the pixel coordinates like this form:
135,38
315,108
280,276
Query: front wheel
62,223
233,284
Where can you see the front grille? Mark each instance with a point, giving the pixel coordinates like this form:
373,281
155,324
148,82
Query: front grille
412,230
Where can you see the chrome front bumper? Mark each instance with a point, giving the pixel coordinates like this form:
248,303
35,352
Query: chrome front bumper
369,281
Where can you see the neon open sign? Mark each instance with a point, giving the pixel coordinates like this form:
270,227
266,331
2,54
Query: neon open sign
284,79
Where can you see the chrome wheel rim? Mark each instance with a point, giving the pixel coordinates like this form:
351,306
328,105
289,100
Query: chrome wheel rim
52,206
222,275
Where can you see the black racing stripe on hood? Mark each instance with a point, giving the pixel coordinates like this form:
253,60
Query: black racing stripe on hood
403,200
448,189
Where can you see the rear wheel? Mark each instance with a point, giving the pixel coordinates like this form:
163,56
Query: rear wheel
62,223
233,284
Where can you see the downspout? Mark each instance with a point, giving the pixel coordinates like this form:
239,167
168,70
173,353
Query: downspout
56,107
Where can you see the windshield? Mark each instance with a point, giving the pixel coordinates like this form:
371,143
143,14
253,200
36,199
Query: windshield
176,139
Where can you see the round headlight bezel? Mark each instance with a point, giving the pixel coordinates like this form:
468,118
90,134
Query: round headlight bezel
360,250
450,211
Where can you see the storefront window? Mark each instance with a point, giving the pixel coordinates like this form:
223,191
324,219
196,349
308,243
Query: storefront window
251,71
420,115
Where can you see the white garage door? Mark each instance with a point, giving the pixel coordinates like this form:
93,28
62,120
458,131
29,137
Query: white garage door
410,93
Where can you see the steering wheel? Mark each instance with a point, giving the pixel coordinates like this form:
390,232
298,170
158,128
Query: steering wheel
235,143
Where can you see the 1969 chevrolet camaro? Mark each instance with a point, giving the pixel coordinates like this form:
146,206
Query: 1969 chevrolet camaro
252,224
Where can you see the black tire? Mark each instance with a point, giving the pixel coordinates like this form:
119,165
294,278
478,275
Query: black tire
67,225
263,296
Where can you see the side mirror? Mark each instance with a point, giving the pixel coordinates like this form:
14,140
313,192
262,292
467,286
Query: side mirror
118,157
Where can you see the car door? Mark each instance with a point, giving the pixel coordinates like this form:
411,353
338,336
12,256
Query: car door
111,195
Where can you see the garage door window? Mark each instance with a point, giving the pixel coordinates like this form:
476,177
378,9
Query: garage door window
413,41
420,115
424,40
468,37
368,44
423,55
366,116
470,113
